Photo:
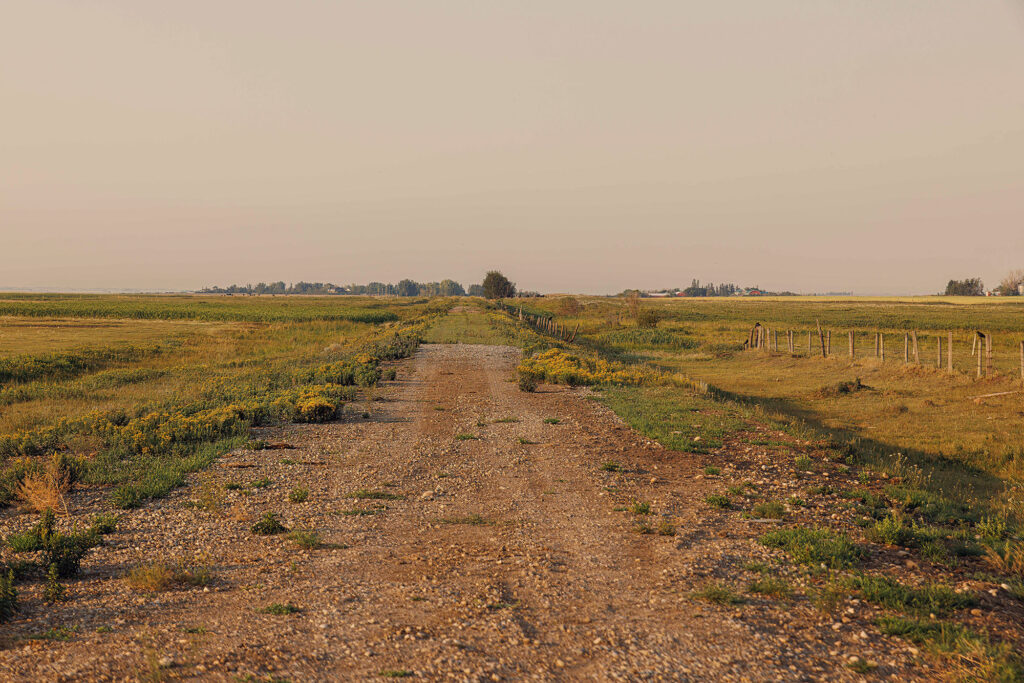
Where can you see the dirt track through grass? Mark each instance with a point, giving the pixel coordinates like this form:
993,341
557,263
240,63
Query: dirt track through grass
507,556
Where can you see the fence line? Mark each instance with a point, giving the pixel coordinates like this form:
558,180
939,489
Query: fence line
765,338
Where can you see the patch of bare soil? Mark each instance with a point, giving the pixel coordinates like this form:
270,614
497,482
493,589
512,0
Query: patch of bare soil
465,536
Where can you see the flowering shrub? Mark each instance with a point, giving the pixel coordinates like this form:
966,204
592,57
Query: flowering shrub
560,366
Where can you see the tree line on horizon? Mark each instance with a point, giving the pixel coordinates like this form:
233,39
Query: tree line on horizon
494,286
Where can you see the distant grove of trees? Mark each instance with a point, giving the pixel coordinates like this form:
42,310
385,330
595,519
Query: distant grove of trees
403,288
494,286
970,287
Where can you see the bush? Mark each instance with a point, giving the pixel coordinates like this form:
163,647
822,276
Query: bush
647,318
299,494
528,381
315,409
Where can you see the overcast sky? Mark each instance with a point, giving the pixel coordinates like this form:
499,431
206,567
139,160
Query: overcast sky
577,145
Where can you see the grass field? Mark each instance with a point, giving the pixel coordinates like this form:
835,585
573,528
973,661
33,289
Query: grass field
144,388
970,448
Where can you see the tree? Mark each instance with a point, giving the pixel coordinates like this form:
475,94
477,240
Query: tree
497,286
451,288
969,287
476,290
407,288
1010,286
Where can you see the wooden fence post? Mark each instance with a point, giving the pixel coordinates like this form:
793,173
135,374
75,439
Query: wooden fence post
917,355
938,352
978,339
949,353
988,353
876,344
829,342
881,345
851,344
906,347
1022,361
809,350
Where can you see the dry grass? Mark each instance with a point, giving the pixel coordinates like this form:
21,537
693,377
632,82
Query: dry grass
1008,561
159,576
47,489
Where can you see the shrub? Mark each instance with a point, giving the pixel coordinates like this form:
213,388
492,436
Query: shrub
55,591
390,374
528,381
611,466
815,546
103,523
298,494
268,525
315,409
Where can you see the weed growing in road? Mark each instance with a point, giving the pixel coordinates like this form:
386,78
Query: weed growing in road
279,609
666,528
611,466
719,501
159,576
103,524
927,599
396,673
268,525
718,594
771,586
644,528
551,420
523,441
640,508
359,512
298,494
712,471
367,494
769,509
1009,560
57,633
261,483
305,539
815,546
794,501
472,520
466,437
506,420
804,464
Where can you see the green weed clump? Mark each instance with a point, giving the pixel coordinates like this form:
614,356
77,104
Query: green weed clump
719,594
928,599
815,546
298,494
718,501
268,525
279,609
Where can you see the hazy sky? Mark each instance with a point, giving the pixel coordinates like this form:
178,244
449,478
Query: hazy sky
582,145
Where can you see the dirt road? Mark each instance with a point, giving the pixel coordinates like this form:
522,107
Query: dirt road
486,543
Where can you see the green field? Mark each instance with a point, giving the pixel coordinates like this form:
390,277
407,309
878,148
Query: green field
141,389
